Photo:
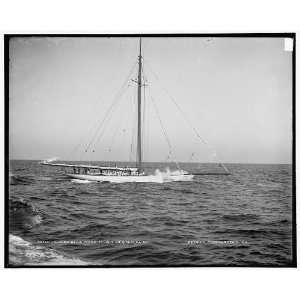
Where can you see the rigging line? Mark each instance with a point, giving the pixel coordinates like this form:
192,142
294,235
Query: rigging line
126,117
144,123
115,132
100,131
143,73
115,101
133,127
119,94
163,129
81,142
184,116
147,118
97,139
102,127
111,108
146,134
178,107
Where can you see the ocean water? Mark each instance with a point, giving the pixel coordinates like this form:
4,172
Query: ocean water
243,219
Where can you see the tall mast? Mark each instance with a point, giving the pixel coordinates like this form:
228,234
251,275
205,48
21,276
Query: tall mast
139,131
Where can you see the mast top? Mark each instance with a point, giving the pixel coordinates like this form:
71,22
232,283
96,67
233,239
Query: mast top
140,47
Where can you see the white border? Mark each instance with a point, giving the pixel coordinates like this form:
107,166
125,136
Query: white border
148,17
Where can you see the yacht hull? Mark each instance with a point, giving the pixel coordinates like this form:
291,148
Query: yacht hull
140,178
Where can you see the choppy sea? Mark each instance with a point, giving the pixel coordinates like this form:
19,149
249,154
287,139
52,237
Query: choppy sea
242,219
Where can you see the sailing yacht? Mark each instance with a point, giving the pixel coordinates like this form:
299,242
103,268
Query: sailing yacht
122,174
129,174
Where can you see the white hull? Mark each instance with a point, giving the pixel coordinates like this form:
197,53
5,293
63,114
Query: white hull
159,178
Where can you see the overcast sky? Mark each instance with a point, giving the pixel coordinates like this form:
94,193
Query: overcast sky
237,93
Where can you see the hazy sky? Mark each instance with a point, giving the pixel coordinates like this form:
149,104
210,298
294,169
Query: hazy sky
237,92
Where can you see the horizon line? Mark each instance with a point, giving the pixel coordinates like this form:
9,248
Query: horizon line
164,162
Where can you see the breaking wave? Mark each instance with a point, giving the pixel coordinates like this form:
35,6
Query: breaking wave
80,181
23,215
19,180
22,252
169,176
49,160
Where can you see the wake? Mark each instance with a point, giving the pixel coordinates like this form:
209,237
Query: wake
50,160
22,252
169,176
